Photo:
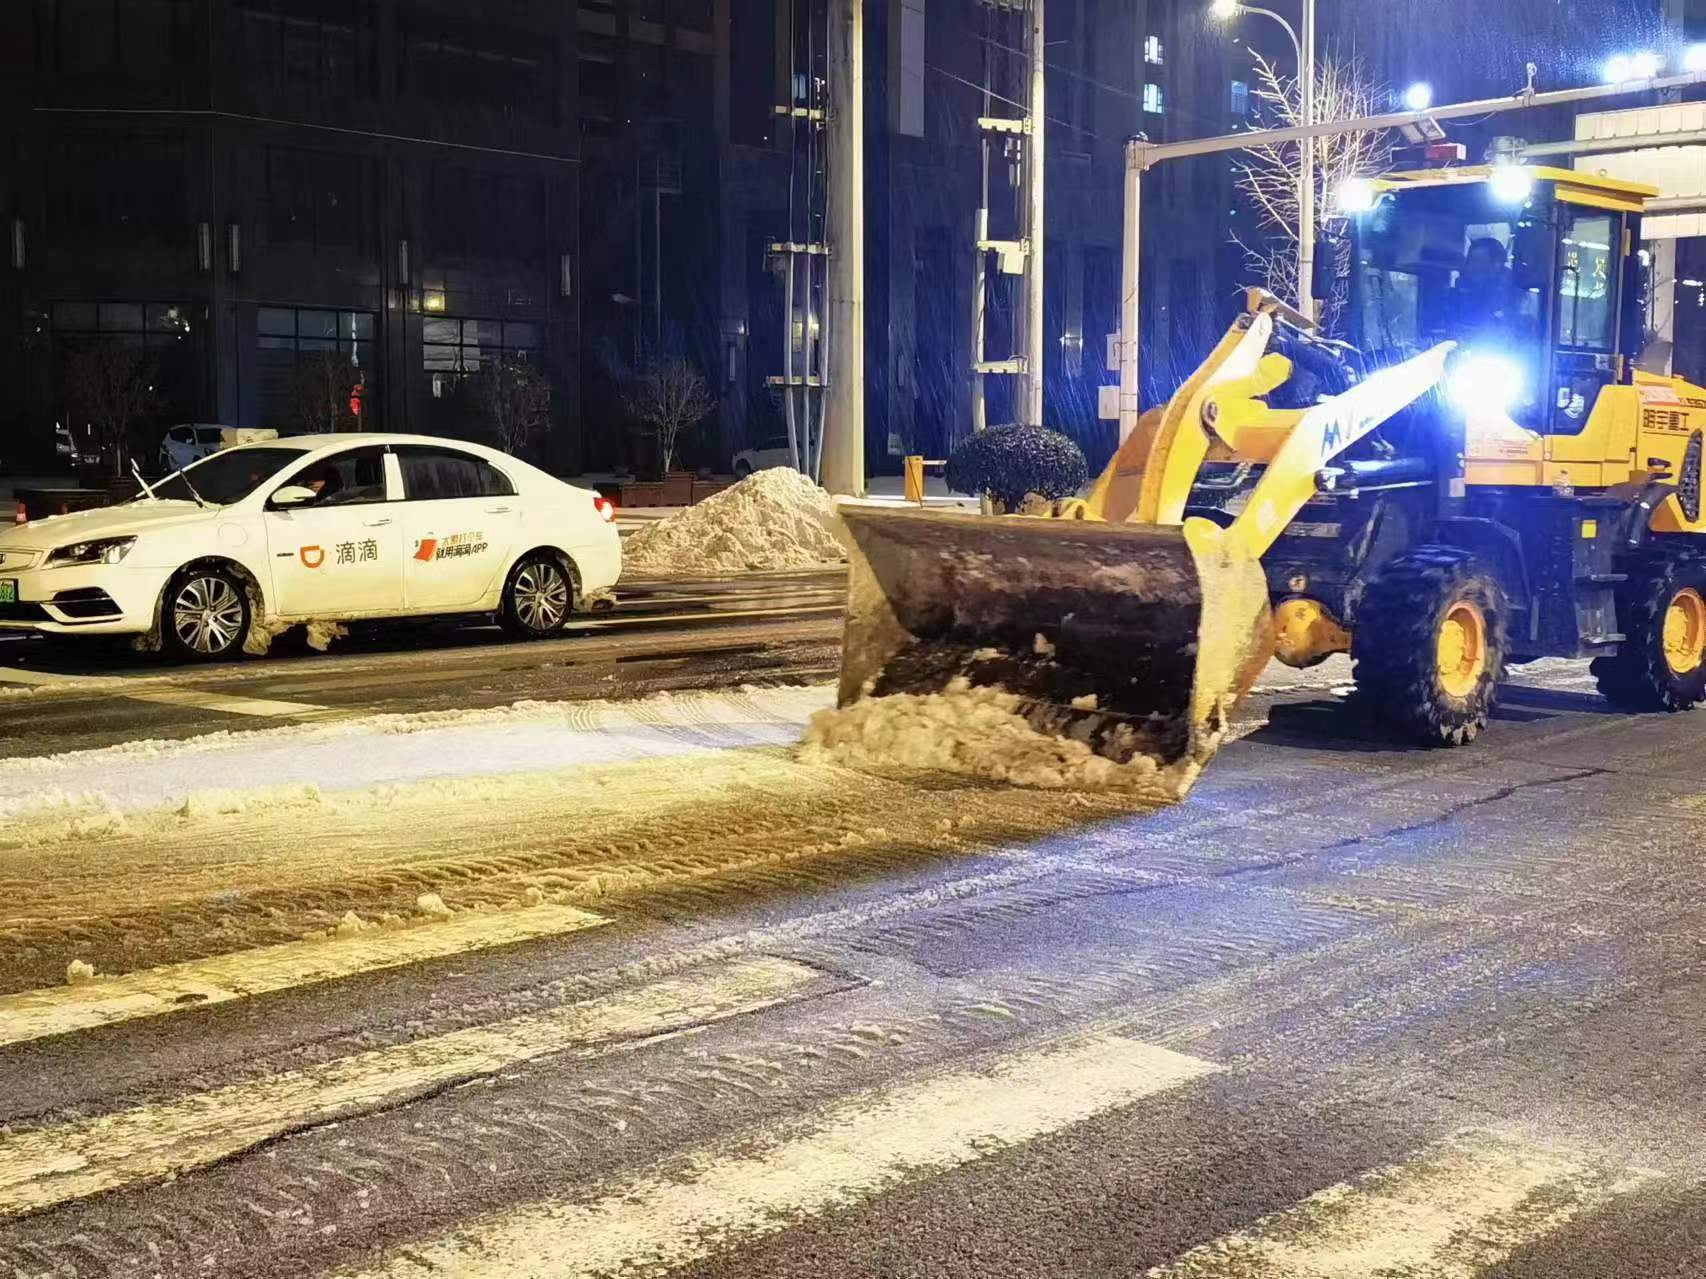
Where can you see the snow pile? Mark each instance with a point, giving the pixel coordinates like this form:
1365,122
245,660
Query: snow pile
773,519
979,731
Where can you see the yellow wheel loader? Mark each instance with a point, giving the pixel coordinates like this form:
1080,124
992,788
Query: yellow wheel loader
1480,473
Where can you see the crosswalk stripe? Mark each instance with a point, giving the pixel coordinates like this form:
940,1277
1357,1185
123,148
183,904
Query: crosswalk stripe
1454,1209
57,1010
230,703
688,1208
73,1160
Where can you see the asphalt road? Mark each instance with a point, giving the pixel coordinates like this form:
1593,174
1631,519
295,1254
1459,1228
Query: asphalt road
662,635
1351,1010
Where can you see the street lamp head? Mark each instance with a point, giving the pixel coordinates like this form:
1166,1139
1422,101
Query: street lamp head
1225,10
1694,58
1418,97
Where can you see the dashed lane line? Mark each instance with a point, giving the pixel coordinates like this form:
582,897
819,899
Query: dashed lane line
153,992
690,1207
230,703
1451,1211
73,1160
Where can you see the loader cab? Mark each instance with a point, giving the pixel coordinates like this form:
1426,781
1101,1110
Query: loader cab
1532,272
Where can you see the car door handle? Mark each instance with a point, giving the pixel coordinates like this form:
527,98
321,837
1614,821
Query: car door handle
375,523
497,510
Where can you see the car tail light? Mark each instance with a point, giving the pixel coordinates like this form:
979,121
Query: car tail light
605,507
20,516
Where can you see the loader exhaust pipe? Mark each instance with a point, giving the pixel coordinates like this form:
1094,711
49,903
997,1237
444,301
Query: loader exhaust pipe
1133,639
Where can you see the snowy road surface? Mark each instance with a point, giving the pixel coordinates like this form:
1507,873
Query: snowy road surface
421,982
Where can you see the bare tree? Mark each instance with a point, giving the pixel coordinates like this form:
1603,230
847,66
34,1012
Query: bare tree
511,400
667,398
111,388
1270,177
319,393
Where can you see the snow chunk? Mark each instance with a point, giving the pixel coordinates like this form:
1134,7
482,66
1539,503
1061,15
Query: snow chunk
351,925
1088,702
773,519
980,732
432,906
78,972
321,634
1043,646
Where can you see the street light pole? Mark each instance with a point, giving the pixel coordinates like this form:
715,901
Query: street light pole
1306,178
1304,48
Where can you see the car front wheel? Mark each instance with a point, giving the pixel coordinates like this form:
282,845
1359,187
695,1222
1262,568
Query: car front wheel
537,599
205,615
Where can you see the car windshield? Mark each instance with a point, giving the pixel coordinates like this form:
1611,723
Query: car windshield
228,477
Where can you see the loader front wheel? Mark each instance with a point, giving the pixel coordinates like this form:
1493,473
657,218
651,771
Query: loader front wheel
1429,645
1661,664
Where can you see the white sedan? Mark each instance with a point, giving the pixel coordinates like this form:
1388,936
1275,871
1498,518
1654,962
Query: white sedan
320,527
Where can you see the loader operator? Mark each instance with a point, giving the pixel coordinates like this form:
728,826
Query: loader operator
1485,303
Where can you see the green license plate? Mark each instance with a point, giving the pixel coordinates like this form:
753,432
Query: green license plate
8,590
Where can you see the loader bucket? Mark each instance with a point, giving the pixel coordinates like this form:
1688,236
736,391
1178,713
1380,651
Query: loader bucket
1168,627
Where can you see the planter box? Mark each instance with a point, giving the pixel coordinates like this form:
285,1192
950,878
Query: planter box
703,489
40,503
677,489
640,493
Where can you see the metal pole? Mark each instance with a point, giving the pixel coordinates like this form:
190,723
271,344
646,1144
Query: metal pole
1129,317
1306,179
1034,151
788,362
979,283
844,424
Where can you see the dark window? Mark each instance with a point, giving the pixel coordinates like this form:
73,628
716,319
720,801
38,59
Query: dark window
476,215
128,39
285,334
432,473
479,63
452,348
752,79
319,50
119,189
350,478
318,200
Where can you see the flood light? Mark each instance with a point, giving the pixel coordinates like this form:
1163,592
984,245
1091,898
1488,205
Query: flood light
1694,58
1624,67
1224,9
1481,381
1418,97
1355,196
1511,184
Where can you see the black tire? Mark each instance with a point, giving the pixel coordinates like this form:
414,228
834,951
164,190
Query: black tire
1653,670
1429,645
538,597
204,615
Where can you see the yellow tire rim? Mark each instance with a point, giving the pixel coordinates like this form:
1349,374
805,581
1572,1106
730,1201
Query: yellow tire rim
1460,651
1685,631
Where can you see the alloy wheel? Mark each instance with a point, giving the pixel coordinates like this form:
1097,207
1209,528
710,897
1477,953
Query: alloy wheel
207,615
541,596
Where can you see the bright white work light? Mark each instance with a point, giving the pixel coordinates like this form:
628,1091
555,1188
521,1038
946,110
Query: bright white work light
1355,196
1625,67
1418,97
1481,382
1694,58
1511,184
1224,10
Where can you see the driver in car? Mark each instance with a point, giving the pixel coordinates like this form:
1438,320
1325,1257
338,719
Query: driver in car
1484,301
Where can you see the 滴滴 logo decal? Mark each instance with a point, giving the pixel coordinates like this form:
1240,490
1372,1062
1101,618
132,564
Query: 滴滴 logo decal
425,547
312,556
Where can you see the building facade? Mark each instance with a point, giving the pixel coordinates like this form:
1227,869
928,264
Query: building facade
231,186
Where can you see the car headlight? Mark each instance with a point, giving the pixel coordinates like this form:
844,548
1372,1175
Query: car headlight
1486,383
104,550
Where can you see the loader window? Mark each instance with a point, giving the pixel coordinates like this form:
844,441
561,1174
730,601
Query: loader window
1587,282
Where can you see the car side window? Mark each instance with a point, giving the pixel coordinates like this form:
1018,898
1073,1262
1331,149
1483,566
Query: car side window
349,478
432,474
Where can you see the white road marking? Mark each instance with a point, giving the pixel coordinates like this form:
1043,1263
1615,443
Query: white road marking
1454,1209
690,1207
58,1010
85,1157
230,703
20,675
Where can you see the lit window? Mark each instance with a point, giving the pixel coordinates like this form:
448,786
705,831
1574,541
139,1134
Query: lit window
1240,98
1152,50
1152,99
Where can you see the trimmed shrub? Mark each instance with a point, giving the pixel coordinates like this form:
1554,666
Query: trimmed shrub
1011,462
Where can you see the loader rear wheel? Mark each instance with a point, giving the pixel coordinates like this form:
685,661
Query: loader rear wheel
1661,665
1429,644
